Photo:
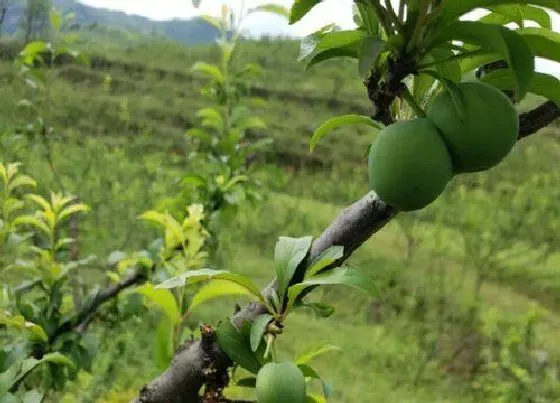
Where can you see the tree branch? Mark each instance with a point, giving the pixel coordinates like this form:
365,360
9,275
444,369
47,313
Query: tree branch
82,319
540,117
184,378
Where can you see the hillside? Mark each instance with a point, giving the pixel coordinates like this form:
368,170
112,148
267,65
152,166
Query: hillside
88,19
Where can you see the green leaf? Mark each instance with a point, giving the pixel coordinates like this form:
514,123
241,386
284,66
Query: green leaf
446,68
34,221
543,42
510,45
237,346
456,95
259,144
249,382
209,70
9,377
21,180
310,42
58,358
33,396
212,21
56,20
336,122
368,18
164,344
337,44
32,49
216,289
288,254
63,242
258,328
505,14
312,398
271,8
73,209
212,115
19,322
309,372
23,368
477,60
325,259
542,84
300,8
39,200
452,10
315,351
173,231
163,299
369,51
351,277
196,276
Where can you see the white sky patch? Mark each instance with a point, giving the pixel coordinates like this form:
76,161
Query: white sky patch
329,11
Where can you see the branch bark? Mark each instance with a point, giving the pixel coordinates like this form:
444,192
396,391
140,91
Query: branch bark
184,378
540,117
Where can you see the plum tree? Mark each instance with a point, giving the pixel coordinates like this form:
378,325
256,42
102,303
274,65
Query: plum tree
409,164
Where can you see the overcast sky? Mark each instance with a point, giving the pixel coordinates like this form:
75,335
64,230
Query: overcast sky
337,11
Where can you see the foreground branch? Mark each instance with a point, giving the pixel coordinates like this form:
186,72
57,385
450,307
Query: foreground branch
540,117
186,375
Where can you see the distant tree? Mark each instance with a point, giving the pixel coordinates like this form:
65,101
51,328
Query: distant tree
35,20
4,5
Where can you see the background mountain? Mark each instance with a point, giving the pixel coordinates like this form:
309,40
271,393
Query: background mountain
191,31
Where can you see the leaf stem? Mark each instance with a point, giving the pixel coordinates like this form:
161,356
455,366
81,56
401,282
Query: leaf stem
407,96
401,10
393,15
420,25
383,16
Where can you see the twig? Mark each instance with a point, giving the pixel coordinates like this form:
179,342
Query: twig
82,319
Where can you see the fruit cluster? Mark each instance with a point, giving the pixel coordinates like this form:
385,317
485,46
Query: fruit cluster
411,161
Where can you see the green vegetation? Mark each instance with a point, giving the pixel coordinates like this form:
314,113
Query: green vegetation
465,306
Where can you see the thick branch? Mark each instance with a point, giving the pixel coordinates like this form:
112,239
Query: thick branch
540,117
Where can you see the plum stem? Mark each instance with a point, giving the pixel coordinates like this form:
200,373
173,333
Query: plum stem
405,94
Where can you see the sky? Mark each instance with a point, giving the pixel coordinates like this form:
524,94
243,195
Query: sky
328,11
339,11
